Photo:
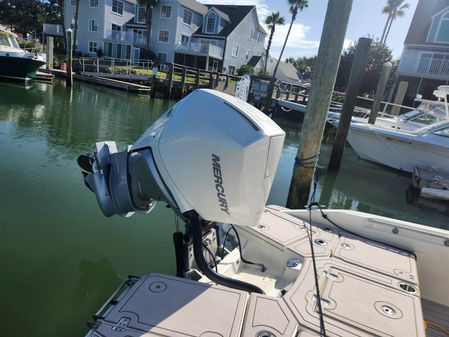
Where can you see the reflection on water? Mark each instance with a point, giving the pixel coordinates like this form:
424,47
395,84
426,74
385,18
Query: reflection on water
60,257
359,185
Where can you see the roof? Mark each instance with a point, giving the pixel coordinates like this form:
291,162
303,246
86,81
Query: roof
235,14
254,60
422,19
286,72
194,6
222,15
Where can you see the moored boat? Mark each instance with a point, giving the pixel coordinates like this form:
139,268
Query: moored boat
16,63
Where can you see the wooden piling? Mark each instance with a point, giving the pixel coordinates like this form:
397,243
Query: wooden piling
69,48
183,81
329,53
352,89
171,70
380,91
50,52
399,98
211,80
226,81
197,78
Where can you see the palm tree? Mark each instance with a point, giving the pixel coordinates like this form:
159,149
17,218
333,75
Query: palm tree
295,5
394,9
271,21
149,4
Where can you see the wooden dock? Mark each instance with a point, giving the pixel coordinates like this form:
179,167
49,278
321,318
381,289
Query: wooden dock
116,84
44,76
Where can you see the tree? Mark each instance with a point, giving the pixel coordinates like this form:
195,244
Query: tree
23,16
377,56
394,9
149,4
271,21
295,5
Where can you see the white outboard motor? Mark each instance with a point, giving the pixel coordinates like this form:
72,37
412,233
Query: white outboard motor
211,153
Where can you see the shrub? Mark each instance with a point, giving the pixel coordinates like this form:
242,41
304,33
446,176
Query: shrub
245,70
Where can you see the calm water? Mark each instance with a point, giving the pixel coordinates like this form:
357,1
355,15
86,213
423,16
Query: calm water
60,258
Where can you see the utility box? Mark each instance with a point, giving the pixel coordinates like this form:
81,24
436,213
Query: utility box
261,91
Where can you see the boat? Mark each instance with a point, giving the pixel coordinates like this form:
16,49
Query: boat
402,150
247,269
16,63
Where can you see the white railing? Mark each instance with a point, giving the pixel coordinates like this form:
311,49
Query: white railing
201,48
52,29
126,36
116,68
426,64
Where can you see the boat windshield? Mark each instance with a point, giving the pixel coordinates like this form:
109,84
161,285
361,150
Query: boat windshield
14,42
4,41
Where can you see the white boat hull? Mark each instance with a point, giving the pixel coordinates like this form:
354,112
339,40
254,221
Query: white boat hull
400,151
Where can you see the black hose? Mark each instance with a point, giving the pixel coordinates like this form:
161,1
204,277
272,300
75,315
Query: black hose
197,236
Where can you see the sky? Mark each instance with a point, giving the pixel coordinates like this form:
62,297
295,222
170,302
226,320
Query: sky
366,19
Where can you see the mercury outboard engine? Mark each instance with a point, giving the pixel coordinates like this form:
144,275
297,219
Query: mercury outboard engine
211,158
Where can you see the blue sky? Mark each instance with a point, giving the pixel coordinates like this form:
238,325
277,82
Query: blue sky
366,18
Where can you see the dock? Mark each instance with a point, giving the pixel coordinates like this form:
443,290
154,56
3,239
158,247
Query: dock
116,84
44,76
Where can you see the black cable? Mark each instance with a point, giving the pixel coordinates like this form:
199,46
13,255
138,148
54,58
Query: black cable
212,256
326,217
318,296
261,265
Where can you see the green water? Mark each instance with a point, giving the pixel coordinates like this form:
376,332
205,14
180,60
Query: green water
60,258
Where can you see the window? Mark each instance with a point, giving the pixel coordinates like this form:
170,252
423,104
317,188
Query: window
184,40
442,132
164,36
251,34
116,28
162,57
210,24
165,11
117,7
93,46
73,3
235,50
187,18
93,3
93,25
4,41
140,16
247,54
443,30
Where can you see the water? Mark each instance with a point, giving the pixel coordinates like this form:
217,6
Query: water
60,258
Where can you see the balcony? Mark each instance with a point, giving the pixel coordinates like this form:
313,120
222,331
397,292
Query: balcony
200,49
126,37
424,63
53,30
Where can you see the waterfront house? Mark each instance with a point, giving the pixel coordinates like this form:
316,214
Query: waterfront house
215,37
424,62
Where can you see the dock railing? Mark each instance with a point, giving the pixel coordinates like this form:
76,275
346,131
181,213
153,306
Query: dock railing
116,68
299,93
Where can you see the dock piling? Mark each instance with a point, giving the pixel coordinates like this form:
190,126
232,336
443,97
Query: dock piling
50,40
380,91
171,69
329,53
69,47
183,81
352,90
